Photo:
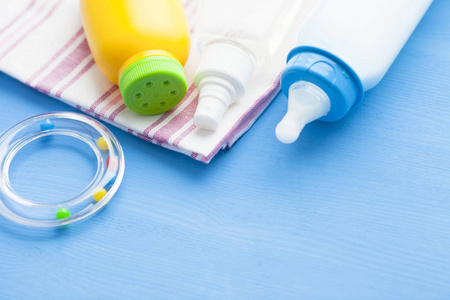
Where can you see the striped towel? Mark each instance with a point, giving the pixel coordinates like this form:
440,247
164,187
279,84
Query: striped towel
42,44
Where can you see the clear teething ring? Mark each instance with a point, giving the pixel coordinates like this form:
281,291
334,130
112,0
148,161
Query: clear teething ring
106,181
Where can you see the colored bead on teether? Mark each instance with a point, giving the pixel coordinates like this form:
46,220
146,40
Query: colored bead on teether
99,194
101,144
62,213
47,125
112,163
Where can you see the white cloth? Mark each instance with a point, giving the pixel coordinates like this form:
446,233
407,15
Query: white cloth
43,45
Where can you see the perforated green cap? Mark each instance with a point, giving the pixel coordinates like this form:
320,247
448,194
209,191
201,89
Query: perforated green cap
153,85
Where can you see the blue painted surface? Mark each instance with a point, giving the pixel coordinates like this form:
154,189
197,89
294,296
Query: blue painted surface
357,209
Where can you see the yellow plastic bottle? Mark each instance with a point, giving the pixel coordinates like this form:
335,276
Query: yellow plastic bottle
141,45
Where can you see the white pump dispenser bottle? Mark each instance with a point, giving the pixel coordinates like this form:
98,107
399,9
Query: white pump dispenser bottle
235,37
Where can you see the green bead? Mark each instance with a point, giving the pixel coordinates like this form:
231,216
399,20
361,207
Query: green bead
62,213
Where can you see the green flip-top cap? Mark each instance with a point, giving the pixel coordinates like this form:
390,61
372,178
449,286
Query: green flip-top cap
153,85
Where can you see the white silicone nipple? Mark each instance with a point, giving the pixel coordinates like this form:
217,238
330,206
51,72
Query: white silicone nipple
307,102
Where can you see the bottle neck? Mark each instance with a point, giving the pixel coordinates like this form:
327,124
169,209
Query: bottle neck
144,54
221,77
340,83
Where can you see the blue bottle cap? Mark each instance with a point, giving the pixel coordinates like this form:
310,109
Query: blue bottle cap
331,74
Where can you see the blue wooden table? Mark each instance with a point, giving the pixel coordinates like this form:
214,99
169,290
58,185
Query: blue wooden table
357,209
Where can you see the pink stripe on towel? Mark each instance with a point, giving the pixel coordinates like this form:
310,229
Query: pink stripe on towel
117,111
22,25
110,104
54,57
18,17
184,134
76,77
103,97
27,33
166,132
64,68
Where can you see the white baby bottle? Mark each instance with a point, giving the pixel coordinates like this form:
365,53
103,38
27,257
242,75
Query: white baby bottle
344,49
234,37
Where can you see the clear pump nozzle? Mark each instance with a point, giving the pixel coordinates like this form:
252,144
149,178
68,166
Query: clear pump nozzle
306,102
222,75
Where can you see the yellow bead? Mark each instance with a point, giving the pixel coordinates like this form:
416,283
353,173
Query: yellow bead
101,144
99,194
